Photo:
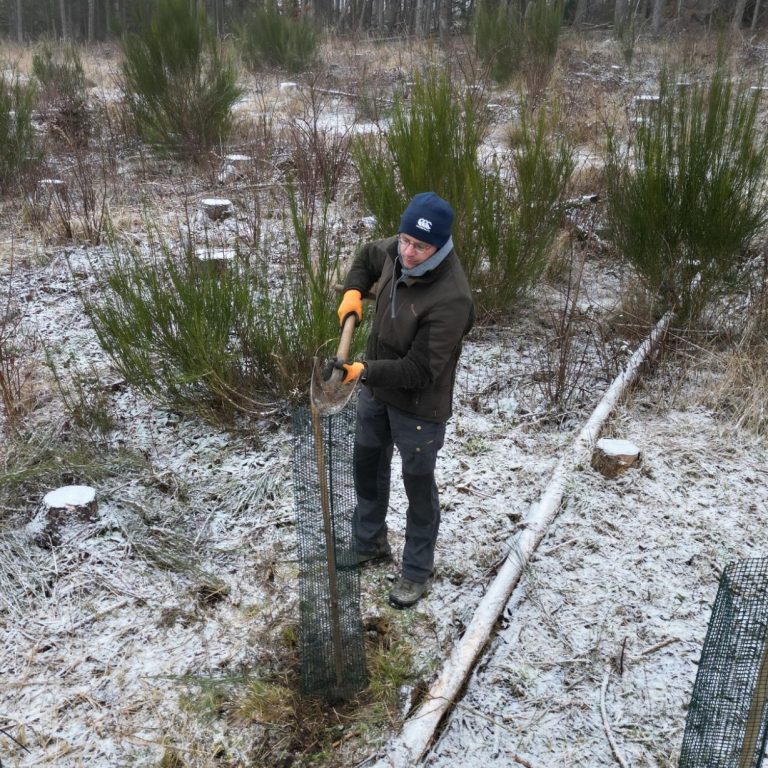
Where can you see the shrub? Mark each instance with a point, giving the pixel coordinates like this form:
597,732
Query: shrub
508,41
688,198
320,158
518,222
75,207
506,214
431,144
273,38
498,38
298,318
17,353
220,341
63,90
18,150
541,26
178,85
627,30
740,388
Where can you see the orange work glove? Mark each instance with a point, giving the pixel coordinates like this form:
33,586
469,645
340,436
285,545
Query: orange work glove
352,371
351,303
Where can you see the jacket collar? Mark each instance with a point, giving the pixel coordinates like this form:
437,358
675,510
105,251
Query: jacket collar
429,264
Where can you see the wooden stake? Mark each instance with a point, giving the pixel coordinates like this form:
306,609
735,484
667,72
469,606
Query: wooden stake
755,717
330,549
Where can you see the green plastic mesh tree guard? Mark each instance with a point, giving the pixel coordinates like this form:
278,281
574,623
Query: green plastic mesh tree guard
727,723
332,643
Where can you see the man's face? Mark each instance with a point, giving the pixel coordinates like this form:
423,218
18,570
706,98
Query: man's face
413,252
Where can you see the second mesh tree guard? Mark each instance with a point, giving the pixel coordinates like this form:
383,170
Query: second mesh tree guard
727,721
332,642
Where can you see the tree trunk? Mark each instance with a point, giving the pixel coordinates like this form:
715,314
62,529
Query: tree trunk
755,15
19,23
444,21
620,11
426,22
392,17
91,19
658,11
63,18
417,17
581,13
363,16
738,15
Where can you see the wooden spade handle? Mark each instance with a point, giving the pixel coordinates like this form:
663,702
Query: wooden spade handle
347,331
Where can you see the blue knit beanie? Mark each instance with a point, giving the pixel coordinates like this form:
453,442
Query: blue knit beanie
428,218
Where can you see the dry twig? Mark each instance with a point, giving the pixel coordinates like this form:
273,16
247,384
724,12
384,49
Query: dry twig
606,724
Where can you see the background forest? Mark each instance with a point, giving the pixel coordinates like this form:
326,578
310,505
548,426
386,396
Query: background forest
100,20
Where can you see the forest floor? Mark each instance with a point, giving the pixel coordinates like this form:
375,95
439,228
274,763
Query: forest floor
164,631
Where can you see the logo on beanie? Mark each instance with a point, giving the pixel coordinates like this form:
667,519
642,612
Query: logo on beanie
424,224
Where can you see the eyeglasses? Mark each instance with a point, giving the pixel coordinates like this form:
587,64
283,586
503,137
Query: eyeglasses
418,247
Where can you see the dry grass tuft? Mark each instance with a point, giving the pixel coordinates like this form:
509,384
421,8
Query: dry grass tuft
740,391
266,702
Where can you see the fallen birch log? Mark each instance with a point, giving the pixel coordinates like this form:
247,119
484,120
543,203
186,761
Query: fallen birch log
417,733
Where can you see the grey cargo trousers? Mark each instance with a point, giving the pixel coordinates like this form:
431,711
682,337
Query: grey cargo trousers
379,428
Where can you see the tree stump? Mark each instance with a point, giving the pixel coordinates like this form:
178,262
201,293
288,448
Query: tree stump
77,501
217,208
646,99
60,507
214,261
48,188
234,167
611,457
50,193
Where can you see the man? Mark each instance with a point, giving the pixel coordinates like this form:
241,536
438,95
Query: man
423,309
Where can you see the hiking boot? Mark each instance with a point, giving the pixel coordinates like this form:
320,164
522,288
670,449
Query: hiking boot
406,593
379,554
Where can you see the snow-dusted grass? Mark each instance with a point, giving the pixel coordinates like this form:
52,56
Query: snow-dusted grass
164,633
631,564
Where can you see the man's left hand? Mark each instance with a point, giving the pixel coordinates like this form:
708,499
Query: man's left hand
352,371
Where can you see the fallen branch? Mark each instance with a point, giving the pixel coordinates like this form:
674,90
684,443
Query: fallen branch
91,618
419,729
14,739
657,647
606,724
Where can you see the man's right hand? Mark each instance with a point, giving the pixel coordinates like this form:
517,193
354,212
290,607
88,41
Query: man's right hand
351,304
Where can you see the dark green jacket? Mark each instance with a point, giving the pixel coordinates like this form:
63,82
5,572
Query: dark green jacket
418,326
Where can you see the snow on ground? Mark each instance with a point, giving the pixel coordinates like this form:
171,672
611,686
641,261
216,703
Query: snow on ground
192,564
101,636
631,564
187,581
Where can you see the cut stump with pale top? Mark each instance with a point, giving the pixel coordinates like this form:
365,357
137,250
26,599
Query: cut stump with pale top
66,505
71,500
612,456
216,207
